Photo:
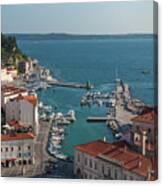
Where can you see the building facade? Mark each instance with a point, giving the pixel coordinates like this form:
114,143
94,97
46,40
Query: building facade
9,92
23,109
102,160
17,149
143,134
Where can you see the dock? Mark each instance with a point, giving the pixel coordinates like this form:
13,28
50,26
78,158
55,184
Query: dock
70,84
97,119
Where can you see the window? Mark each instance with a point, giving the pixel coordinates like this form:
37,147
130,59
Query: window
95,166
12,148
6,149
149,130
103,169
19,148
109,172
1,150
131,178
29,147
137,128
115,174
90,163
30,162
85,161
78,157
125,177
19,155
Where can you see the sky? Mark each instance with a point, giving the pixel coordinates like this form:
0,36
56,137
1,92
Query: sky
79,18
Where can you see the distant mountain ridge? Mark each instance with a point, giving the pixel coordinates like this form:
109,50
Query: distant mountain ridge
65,36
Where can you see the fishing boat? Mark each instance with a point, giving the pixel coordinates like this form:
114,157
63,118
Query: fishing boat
70,116
61,156
146,71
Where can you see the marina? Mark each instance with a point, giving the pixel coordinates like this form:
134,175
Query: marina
95,104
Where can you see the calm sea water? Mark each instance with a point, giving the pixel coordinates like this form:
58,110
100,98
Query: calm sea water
95,60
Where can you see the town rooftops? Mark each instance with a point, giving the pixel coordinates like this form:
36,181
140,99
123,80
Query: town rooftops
148,118
94,148
9,90
119,154
17,136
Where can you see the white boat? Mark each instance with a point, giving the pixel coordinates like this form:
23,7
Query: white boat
61,156
118,135
56,138
70,116
40,105
52,115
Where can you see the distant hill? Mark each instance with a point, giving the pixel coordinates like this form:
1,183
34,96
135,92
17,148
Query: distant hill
10,53
64,36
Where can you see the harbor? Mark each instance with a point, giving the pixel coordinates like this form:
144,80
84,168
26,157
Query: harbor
79,106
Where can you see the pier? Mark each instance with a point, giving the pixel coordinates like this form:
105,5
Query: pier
87,85
97,119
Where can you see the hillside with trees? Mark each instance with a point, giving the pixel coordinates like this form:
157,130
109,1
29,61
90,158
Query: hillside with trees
10,52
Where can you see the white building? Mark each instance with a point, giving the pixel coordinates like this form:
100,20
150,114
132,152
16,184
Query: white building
9,92
143,134
23,109
5,77
102,160
17,149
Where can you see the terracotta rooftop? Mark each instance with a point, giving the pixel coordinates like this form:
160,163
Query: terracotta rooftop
30,98
11,90
148,118
17,136
117,152
94,148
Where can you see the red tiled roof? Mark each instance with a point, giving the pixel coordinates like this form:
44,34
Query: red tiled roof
11,90
94,148
148,118
30,98
17,136
129,160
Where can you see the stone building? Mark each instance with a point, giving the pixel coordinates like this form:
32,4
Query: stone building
102,160
17,149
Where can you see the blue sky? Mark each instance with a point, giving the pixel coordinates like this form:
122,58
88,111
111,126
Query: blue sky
79,18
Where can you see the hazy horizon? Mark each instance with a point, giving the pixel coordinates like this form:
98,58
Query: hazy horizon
98,18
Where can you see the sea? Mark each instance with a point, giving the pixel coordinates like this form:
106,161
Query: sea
100,61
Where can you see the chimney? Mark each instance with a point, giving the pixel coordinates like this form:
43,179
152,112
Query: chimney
125,148
140,163
144,137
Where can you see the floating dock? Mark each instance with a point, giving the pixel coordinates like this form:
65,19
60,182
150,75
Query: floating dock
97,119
70,84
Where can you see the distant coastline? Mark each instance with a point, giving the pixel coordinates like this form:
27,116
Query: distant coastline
66,36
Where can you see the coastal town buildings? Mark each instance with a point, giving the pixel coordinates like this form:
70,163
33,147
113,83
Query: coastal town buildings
9,92
8,74
17,149
25,110
143,134
102,160
24,67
